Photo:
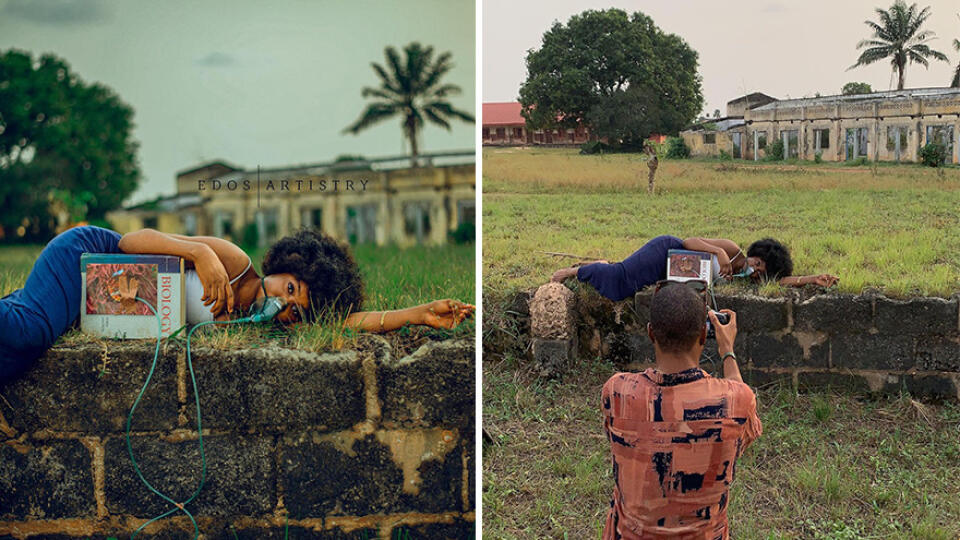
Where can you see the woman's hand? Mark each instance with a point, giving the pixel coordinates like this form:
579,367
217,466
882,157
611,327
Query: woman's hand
446,313
726,269
216,282
823,280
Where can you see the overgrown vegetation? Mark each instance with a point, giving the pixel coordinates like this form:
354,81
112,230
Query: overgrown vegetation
828,466
933,154
677,148
893,227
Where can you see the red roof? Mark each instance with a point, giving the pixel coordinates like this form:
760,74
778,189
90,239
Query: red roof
502,114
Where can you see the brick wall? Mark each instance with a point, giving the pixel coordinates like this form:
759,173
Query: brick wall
867,343
355,444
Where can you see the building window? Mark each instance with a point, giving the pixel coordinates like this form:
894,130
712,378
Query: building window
486,133
709,138
896,140
821,139
223,225
361,224
518,133
416,220
761,140
790,143
312,217
150,222
941,135
501,133
268,226
856,141
190,224
466,211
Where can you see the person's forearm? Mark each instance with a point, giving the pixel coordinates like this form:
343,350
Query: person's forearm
700,244
370,321
158,243
793,281
731,370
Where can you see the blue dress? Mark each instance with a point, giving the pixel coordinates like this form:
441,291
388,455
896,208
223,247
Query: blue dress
32,318
621,280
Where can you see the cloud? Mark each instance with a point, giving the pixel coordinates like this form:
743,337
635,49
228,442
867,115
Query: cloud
217,59
773,8
57,12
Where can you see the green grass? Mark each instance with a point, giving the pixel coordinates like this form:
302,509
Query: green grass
894,228
394,278
828,466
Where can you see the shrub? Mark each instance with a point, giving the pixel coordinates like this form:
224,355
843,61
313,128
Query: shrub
774,151
933,155
677,149
725,156
818,157
250,236
594,147
465,233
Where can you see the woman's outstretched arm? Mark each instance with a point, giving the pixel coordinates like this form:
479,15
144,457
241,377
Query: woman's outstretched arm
823,280
437,314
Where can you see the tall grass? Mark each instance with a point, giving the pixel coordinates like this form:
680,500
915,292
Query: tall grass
895,228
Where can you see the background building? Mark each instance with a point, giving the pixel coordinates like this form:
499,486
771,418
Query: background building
503,125
881,126
364,200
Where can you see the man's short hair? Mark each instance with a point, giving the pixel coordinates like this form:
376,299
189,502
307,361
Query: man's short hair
677,315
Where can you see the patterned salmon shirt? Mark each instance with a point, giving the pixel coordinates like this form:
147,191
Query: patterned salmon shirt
675,439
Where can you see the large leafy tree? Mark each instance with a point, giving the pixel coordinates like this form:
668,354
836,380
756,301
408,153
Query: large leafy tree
63,144
616,73
852,88
898,36
411,88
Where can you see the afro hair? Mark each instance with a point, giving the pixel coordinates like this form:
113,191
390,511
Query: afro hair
775,255
325,265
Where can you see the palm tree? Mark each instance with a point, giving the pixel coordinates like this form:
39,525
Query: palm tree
898,36
410,88
955,83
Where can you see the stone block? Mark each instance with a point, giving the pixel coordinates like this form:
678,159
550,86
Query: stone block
918,316
552,312
641,307
830,380
277,389
326,476
757,378
553,357
52,480
434,386
458,530
937,353
69,390
755,313
768,350
834,314
872,351
241,477
933,386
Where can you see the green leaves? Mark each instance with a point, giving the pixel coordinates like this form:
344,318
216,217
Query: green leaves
601,63
410,87
60,135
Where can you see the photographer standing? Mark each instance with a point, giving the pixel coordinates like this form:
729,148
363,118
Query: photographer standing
675,432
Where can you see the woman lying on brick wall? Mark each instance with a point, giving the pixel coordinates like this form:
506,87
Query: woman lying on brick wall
312,273
765,259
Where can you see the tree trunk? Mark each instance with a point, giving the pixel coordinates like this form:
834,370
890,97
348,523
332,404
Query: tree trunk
900,78
412,135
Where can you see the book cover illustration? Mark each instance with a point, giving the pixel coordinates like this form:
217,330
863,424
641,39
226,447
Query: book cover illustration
684,265
106,278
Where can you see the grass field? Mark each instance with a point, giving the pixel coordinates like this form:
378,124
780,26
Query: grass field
891,227
394,278
827,466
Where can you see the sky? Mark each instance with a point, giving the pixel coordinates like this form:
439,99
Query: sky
251,83
783,49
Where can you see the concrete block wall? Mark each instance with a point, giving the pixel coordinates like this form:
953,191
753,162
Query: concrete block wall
354,444
865,343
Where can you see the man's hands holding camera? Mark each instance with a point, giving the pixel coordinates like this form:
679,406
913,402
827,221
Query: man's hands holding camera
726,334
